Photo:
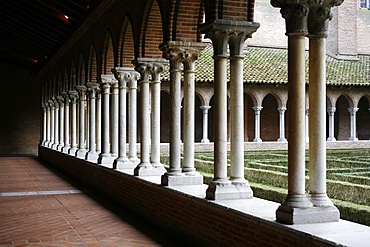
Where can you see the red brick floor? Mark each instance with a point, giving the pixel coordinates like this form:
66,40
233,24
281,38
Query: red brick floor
40,208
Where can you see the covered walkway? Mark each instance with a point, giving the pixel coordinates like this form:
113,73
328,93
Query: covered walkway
39,207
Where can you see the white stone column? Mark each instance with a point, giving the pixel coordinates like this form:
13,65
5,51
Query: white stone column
142,66
61,123
98,121
294,208
282,124
318,19
173,52
52,123
48,123
81,151
132,120
66,123
237,40
56,124
105,157
331,112
124,75
352,111
73,95
205,123
114,118
44,123
92,89
307,120
257,123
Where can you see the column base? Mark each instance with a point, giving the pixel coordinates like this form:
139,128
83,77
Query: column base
353,139
123,163
92,156
331,139
134,160
65,149
55,146
169,179
257,140
105,159
228,190
147,169
72,151
205,141
60,147
289,215
81,153
282,140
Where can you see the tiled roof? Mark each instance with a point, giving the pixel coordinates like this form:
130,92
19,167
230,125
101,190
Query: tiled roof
270,65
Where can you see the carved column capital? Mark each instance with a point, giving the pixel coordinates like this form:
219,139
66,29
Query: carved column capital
92,89
353,110
282,109
51,104
205,107
221,32
66,98
126,76
295,14
73,95
331,110
257,109
182,52
56,103
150,67
60,101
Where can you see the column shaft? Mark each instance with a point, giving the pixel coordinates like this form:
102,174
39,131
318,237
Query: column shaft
257,123
282,124
114,119
61,123
205,123
52,127
132,124
81,152
155,88
331,111
66,123
56,124
74,96
352,112
92,88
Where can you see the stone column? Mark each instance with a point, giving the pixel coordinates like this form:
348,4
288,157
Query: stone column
73,95
98,121
81,151
331,111
114,118
205,123
124,75
318,18
352,111
56,124
236,42
282,124
61,123
105,157
132,120
307,118
52,120
293,209
67,145
48,123
173,52
44,124
92,89
257,123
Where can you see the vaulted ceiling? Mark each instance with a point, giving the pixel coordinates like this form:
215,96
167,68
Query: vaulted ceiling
31,31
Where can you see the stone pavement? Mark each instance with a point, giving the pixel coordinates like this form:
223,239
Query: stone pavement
40,208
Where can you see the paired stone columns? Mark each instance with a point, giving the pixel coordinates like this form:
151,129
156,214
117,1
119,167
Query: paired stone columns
352,111
92,91
257,123
44,124
106,157
205,123
48,123
73,95
81,151
307,129
149,95
331,111
124,76
56,124
185,53
282,124
224,33
132,120
67,145
299,207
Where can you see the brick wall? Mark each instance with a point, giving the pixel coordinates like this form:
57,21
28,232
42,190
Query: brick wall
194,220
20,110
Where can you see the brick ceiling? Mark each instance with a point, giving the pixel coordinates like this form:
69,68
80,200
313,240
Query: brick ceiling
31,31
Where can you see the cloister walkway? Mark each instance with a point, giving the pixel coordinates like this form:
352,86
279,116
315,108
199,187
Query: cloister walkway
38,207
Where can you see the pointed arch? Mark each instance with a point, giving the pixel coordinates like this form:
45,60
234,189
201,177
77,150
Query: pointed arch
66,79
270,118
82,78
73,76
152,32
108,60
126,44
92,65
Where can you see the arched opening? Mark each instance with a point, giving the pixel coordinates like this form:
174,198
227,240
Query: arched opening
363,119
269,119
342,119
